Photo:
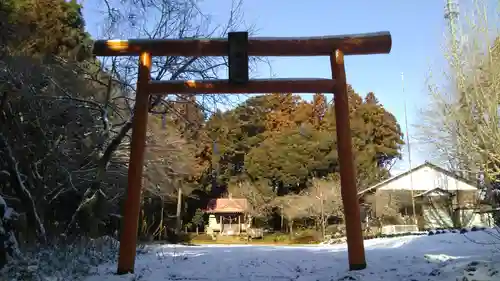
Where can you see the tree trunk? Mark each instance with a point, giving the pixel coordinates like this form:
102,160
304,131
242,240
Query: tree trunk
323,219
17,184
161,225
179,211
282,218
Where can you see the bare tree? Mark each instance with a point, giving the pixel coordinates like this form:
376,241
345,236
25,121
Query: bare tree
65,124
170,160
259,196
50,130
323,200
387,204
155,19
169,19
462,119
292,207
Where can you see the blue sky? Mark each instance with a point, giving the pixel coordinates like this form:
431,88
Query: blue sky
417,29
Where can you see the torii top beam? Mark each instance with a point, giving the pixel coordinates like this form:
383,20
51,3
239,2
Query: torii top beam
354,44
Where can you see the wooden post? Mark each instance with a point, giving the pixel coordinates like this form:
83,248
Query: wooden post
355,246
128,241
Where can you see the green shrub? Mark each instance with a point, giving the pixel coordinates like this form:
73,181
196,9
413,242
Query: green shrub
335,229
281,237
180,238
277,237
305,239
308,236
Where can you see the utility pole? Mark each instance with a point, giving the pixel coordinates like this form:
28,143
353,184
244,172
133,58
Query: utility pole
414,215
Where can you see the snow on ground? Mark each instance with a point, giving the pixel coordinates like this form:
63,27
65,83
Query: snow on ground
444,257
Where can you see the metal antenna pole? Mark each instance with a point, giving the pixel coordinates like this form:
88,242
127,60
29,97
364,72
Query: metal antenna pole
451,14
409,152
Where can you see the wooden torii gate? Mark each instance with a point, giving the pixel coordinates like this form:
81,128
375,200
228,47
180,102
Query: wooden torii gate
238,47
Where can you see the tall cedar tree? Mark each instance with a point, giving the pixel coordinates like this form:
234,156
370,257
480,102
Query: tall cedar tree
287,141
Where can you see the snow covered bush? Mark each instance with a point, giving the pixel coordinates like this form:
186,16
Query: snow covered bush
62,260
8,243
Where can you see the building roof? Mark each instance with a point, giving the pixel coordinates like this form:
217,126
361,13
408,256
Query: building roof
227,205
426,164
434,191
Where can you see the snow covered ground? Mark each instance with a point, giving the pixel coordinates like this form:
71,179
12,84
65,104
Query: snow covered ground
444,257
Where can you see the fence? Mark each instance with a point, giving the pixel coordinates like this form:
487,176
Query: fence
398,229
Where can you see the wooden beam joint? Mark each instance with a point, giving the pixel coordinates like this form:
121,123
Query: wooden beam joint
238,57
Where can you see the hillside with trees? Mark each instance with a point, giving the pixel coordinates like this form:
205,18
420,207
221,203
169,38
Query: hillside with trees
65,124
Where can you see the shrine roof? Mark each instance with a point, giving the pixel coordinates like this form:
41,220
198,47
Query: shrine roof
227,205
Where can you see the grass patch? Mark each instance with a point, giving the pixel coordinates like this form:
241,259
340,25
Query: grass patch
306,237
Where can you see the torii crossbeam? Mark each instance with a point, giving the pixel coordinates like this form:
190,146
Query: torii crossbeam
238,48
